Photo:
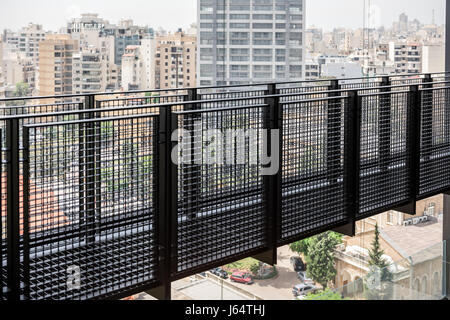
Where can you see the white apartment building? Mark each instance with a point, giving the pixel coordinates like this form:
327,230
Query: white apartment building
312,70
406,56
341,70
250,41
2,86
433,58
139,66
88,72
86,29
27,40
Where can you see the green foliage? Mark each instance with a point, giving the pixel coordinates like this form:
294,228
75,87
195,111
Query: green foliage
254,268
244,265
325,295
302,246
22,90
320,258
378,282
154,100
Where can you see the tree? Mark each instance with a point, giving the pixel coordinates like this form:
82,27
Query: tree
378,282
325,295
302,246
320,258
22,89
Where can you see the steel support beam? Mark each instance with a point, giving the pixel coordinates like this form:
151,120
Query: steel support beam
446,239
447,36
352,140
272,184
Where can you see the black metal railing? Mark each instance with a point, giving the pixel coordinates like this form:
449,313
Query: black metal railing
93,207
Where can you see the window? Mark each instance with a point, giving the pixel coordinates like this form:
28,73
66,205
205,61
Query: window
390,218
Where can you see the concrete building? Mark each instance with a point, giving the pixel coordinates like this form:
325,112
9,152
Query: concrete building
88,72
416,269
86,29
133,71
27,40
339,70
250,41
312,70
406,56
433,58
55,64
176,60
139,66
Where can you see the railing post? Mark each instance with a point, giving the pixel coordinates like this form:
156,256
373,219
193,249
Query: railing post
272,184
334,113
192,171
1,218
414,116
446,239
427,110
167,206
88,171
13,209
352,149
383,119
26,212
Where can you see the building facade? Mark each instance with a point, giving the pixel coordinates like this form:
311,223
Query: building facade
406,56
176,56
55,64
250,41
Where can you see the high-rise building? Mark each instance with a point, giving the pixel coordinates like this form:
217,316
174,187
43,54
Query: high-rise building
250,41
89,72
433,58
55,64
27,40
139,66
407,57
176,57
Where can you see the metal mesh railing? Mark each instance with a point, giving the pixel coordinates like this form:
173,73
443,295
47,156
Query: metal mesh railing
90,189
221,205
312,166
93,206
385,179
435,140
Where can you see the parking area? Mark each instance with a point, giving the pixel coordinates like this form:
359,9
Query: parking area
279,288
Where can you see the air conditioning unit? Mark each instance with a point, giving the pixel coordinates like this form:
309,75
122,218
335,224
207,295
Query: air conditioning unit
407,223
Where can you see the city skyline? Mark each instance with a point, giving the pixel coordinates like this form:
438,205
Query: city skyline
164,15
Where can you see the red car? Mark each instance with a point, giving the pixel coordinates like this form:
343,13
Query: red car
242,277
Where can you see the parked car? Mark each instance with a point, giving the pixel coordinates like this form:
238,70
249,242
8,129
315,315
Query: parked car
298,264
220,273
242,277
304,289
304,278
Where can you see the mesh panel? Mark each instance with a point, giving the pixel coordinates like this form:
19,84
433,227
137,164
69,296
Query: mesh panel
435,141
91,190
313,191
2,222
385,176
221,208
304,93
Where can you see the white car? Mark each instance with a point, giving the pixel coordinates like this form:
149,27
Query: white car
304,278
304,289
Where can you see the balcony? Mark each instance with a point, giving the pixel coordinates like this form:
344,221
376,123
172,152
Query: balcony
93,207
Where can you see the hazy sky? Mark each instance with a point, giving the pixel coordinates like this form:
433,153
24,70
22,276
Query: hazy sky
171,14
